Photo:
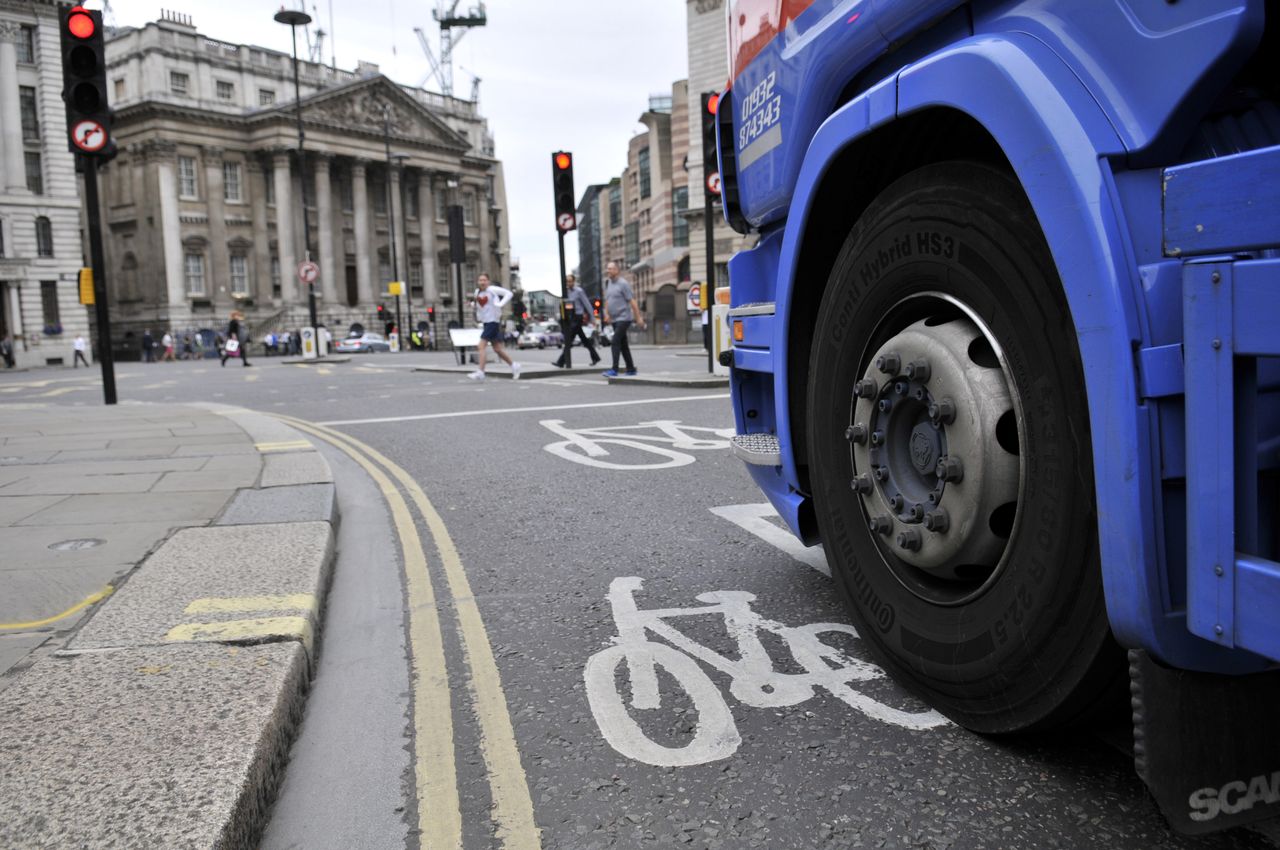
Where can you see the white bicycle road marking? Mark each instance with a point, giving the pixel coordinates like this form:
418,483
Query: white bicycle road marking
587,446
754,518
755,682
503,410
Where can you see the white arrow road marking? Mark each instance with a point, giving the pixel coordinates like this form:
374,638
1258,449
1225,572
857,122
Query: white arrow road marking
755,519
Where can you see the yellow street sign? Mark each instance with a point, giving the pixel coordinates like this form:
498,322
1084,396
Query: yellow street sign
395,287
86,286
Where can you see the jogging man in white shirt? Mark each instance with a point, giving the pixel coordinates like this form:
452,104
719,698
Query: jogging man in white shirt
489,300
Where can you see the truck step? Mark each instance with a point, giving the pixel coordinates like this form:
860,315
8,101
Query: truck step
757,449
755,308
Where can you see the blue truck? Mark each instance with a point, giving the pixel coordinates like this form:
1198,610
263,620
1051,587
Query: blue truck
1008,347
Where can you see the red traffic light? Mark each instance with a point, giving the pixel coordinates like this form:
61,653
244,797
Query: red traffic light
713,103
80,23
563,161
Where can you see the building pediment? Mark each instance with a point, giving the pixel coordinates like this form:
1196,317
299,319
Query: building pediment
363,107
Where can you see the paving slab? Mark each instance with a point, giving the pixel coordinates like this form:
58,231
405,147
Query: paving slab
307,467
269,578
59,546
35,594
110,467
139,453
69,481
297,503
229,472
14,648
162,747
14,509
177,508
658,379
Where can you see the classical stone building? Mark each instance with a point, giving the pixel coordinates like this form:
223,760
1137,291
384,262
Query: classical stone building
204,203
40,253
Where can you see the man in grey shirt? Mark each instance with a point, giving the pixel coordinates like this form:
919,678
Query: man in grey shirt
578,312
620,308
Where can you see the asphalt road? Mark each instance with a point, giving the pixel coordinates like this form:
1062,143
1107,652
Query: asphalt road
570,517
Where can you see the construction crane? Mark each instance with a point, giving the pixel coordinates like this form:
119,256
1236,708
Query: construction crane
449,19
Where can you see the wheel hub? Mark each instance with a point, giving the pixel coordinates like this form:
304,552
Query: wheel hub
934,464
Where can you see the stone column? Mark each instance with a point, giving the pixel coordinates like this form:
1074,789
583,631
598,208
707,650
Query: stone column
284,228
364,258
427,221
161,155
13,169
256,185
329,272
395,222
219,267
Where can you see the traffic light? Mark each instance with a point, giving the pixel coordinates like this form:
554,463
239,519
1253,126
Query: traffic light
431,312
710,163
562,187
597,306
84,82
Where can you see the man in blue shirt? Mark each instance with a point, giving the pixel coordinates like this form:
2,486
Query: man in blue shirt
578,312
620,308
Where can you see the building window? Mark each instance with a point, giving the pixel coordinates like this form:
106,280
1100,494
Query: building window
441,211
680,204
35,174
384,266
379,199
473,271
269,183
275,277
129,277
346,191
27,45
1,238
187,187
469,208
44,237
30,114
444,284
266,97
231,182
415,276
194,268
645,187
615,206
239,274
49,306
633,243
226,91
411,201
119,88
179,82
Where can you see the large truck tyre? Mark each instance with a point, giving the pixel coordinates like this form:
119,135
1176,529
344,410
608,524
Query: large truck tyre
950,456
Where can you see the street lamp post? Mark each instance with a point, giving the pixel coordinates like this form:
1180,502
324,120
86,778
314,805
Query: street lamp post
404,232
295,19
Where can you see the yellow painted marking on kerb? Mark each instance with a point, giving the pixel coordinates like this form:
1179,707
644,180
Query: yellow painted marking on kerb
250,604
439,810
79,606
512,804
283,446
232,630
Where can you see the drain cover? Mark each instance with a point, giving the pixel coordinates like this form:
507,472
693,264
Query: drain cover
76,545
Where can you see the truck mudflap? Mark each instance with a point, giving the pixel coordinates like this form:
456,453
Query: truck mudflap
1206,745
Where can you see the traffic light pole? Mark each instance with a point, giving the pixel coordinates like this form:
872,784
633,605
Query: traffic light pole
709,212
99,265
565,321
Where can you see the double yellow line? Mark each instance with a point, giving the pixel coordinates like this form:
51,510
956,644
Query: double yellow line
439,812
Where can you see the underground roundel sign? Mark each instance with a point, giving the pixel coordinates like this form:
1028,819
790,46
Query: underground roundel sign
89,136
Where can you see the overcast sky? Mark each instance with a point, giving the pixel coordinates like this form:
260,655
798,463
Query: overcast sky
572,75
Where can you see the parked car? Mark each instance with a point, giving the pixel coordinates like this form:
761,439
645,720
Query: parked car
366,343
602,338
541,335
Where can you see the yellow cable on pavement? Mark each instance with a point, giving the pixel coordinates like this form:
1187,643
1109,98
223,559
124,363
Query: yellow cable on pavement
79,606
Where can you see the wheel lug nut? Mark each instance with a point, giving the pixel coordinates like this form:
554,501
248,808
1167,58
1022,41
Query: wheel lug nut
900,388
937,520
865,388
950,469
862,484
886,404
889,363
877,437
881,473
857,433
909,539
933,498
918,370
943,410
896,502
917,512
881,524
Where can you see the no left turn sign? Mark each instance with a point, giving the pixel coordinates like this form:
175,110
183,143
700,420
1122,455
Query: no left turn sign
308,272
565,221
89,136
713,182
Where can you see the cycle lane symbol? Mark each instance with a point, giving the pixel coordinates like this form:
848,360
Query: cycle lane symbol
665,439
754,681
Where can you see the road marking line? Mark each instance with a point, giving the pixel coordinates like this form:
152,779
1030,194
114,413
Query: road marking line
233,630
439,809
752,518
498,410
247,604
512,803
283,446
79,606
60,391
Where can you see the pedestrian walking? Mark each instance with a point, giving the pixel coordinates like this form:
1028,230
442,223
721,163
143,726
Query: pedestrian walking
620,308
167,343
489,300
79,345
148,347
236,339
187,352
6,351
578,316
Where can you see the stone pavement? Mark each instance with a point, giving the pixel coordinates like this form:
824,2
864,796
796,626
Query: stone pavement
162,574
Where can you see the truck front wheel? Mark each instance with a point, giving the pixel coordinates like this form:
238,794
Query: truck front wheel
950,455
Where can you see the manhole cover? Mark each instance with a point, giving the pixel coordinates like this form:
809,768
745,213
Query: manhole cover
76,545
